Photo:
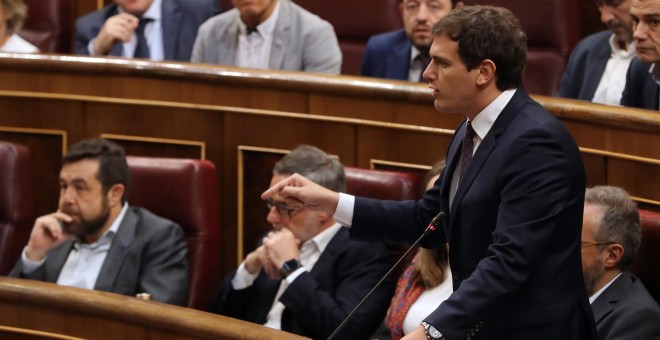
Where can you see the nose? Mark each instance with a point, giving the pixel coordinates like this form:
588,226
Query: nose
427,74
606,14
422,13
639,31
66,196
274,216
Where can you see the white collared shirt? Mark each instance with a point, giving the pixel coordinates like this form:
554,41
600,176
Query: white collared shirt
254,48
416,67
613,81
481,124
83,265
309,254
153,33
600,291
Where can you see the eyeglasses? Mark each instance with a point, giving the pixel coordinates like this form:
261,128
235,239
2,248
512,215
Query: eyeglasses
281,207
593,243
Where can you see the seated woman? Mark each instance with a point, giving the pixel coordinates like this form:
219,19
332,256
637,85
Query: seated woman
422,287
12,14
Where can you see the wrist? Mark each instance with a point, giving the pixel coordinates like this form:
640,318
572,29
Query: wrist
289,267
431,332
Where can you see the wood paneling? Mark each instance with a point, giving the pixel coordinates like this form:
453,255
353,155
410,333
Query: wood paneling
361,120
89,314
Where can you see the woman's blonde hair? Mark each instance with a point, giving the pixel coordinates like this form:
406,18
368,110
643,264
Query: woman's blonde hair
431,264
18,12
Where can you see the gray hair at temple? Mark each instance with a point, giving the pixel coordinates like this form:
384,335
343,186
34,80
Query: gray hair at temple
314,164
18,12
620,222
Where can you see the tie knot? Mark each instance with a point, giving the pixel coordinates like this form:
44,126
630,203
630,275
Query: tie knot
251,30
424,59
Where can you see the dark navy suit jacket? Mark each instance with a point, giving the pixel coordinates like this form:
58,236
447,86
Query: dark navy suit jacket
318,301
180,18
586,66
513,229
626,310
641,90
387,55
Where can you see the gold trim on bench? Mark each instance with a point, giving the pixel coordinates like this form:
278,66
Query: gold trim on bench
61,133
374,162
201,145
240,171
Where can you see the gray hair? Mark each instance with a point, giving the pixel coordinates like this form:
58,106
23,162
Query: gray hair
314,164
620,222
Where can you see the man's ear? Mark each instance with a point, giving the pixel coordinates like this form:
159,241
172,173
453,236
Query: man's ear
459,4
115,193
323,216
612,255
485,72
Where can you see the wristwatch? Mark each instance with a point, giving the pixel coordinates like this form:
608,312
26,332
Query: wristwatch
432,333
289,267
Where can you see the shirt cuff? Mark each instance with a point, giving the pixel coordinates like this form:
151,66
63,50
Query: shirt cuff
28,265
243,278
90,47
345,206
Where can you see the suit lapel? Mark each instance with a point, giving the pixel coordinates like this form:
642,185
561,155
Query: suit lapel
597,64
227,45
280,35
487,145
398,64
170,27
606,302
118,250
58,258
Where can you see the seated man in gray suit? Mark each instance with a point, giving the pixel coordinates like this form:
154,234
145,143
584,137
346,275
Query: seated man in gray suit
269,34
596,70
611,234
148,29
96,241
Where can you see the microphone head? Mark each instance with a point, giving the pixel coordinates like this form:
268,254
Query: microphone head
438,218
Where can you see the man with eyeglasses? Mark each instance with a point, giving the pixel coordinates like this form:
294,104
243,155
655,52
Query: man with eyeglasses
404,54
611,235
308,274
596,70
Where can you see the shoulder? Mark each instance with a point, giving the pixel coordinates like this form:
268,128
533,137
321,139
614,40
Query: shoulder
96,17
197,7
302,16
354,250
595,39
221,20
150,223
387,39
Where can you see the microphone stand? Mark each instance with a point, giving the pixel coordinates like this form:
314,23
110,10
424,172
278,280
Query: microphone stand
431,227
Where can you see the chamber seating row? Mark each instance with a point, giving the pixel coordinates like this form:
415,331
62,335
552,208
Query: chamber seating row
552,27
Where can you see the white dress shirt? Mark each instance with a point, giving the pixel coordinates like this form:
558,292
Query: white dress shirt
416,66
153,33
309,254
481,124
254,47
83,265
611,85
16,44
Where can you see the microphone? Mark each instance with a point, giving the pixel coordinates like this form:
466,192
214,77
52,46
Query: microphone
431,227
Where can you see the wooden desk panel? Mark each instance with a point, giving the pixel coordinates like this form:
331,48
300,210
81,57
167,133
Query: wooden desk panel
89,314
361,120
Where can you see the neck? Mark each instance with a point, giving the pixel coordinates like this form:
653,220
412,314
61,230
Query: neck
607,277
4,36
482,100
114,213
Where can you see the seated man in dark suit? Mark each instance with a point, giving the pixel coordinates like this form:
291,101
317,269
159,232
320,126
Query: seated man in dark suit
404,54
643,75
597,68
611,234
149,29
96,241
308,275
